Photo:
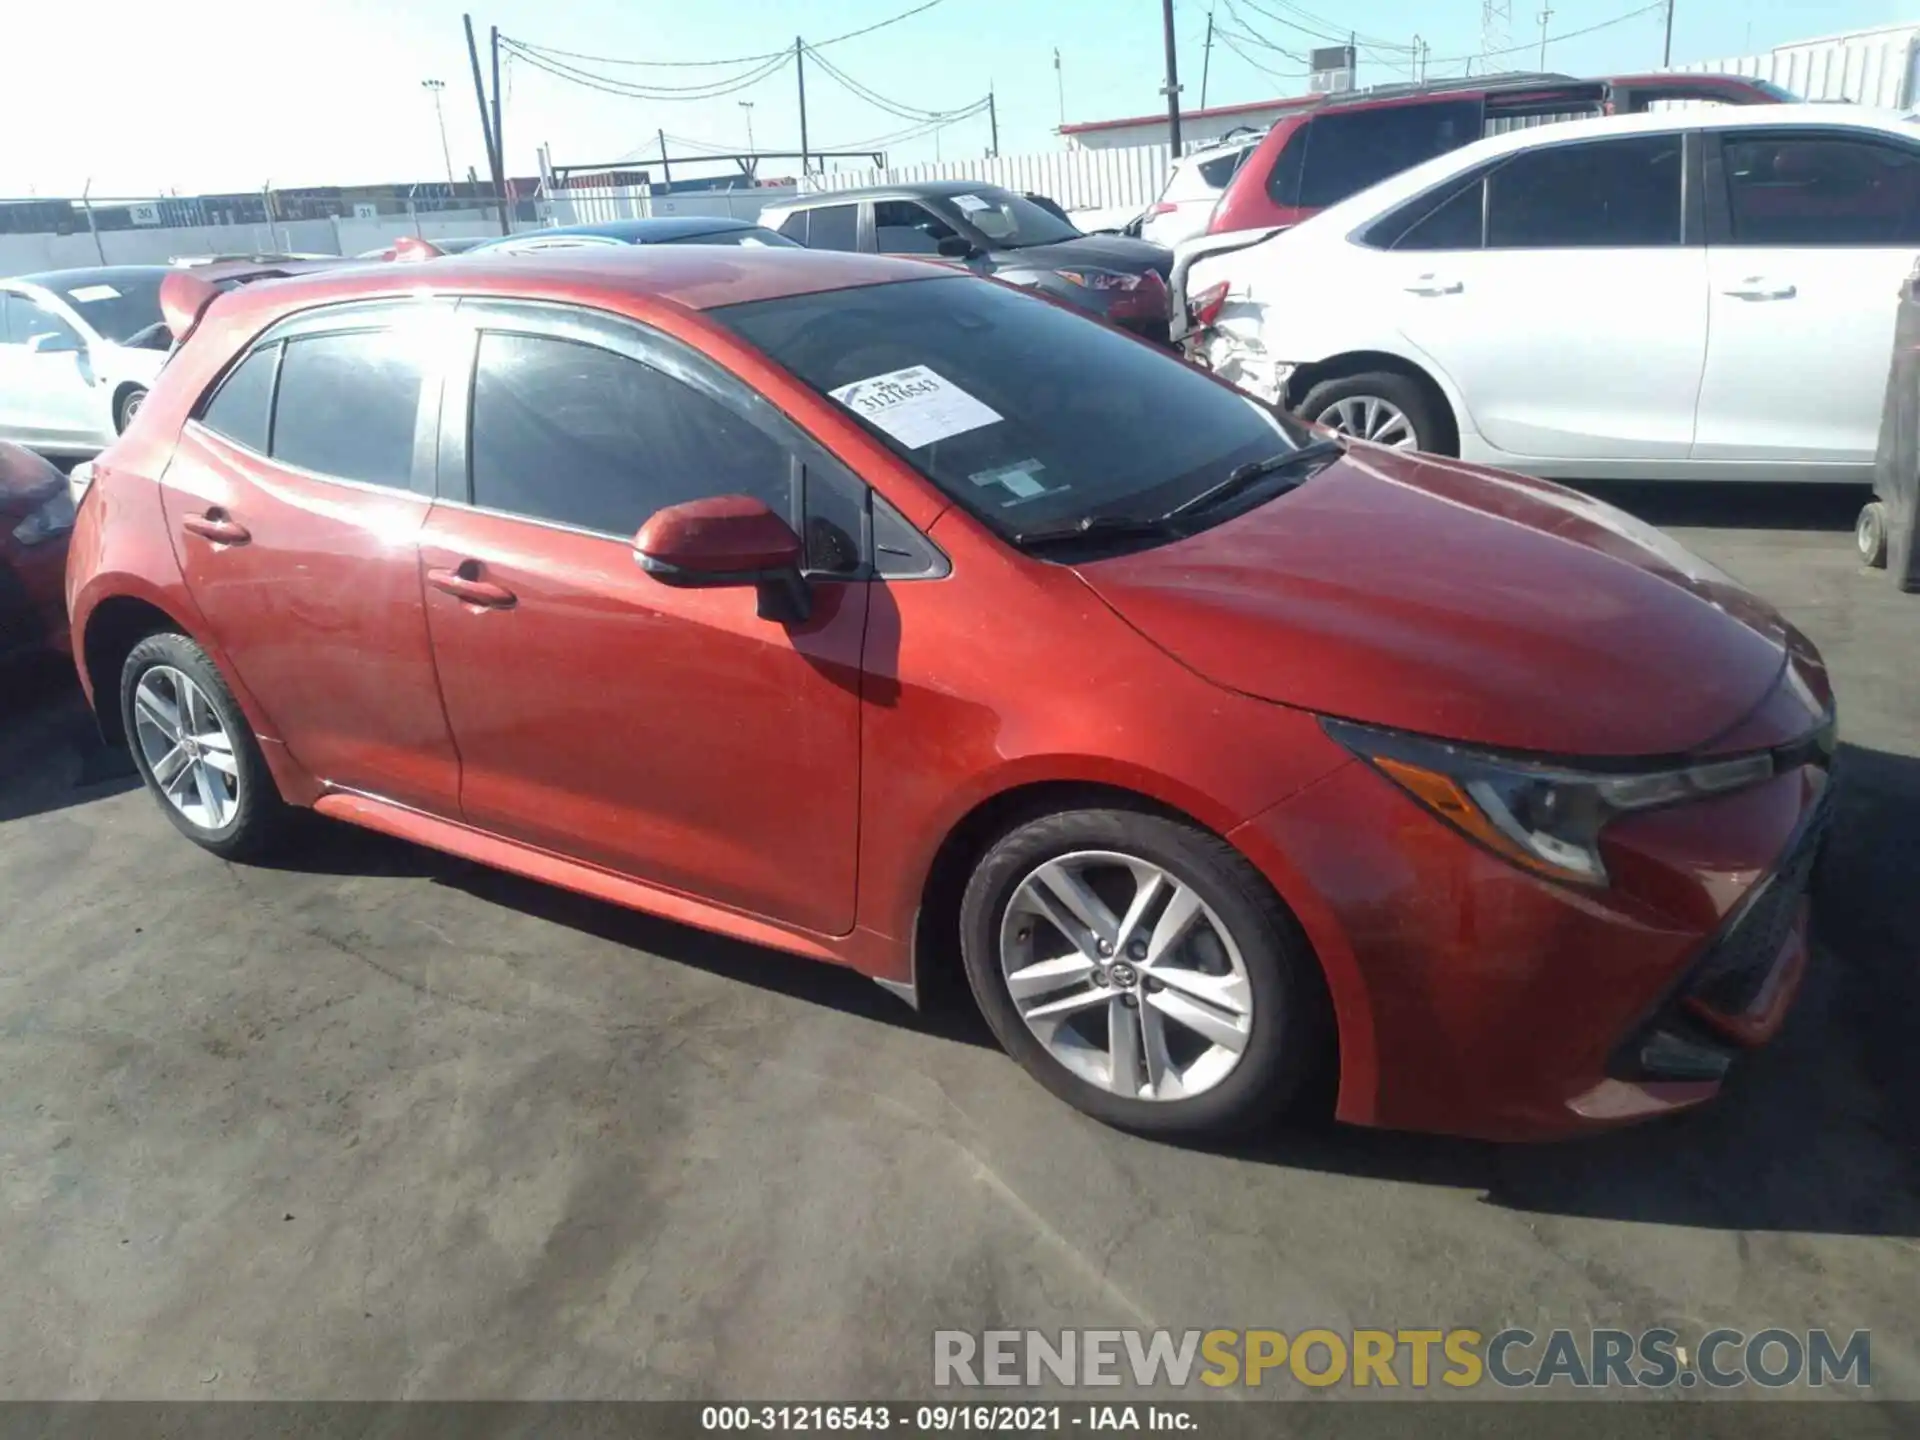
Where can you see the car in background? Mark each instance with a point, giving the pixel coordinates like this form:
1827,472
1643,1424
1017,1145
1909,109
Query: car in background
1194,186
1701,294
418,247
990,231
1327,147
36,518
78,351
248,257
882,615
658,230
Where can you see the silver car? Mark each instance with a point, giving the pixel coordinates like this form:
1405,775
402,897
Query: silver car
78,349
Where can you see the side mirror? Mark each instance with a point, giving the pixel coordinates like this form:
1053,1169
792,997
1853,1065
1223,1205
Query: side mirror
956,247
54,342
726,541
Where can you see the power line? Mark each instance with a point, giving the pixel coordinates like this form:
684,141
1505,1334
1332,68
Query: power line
527,46
872,97
1658,5
1227,39
703,90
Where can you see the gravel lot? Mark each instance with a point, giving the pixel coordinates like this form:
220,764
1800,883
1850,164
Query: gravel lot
381,1123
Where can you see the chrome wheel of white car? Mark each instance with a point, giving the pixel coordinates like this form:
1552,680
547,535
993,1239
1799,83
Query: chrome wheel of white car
1368,417
1126,976
186,748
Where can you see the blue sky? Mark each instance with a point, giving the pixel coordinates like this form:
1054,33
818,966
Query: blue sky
232,94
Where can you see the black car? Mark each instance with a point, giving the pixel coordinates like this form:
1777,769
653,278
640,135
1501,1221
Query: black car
994,232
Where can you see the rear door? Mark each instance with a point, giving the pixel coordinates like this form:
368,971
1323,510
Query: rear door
295,499
1813,231
1577,329
668,734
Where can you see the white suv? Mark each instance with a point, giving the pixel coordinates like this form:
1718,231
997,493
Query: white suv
1193,188
1702,294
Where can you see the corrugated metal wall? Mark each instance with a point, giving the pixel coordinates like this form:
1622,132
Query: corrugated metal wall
1870,67
1073,179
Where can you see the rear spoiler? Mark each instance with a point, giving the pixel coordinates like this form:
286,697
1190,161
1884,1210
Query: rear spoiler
185,294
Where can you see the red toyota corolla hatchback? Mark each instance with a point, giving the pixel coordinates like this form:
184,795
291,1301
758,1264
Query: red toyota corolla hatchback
900,620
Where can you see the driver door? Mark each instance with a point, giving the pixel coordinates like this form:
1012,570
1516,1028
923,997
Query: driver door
47,391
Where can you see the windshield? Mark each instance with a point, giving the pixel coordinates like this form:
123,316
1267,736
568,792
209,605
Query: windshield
1010,221
1027,414
118,306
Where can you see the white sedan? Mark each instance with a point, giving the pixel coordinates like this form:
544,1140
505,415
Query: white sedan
78,349
1704,294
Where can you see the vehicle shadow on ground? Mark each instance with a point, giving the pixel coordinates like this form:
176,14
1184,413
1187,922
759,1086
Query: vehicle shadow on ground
51,755
1733,505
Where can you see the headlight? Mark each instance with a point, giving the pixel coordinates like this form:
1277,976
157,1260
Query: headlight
1545,818
52,516
1102,279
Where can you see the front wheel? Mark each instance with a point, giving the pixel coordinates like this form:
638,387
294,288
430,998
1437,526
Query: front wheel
1382,406
1870,534
1140,969
128,406
195,750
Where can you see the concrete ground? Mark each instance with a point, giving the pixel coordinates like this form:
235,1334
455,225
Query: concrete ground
380,1123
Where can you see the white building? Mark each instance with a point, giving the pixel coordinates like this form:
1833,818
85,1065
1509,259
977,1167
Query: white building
1197,127
1867,67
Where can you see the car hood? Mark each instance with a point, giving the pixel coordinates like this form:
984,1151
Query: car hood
26,479
1115,252
1437,597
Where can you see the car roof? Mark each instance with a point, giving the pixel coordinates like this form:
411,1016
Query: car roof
919,190
90,275
653,230
692,277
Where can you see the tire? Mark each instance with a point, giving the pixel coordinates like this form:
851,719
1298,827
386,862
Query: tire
126,407
1284,1030
1346,402
250,814
1870,534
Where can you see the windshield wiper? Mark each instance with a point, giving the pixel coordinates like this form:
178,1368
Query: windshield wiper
1243,475
1095,527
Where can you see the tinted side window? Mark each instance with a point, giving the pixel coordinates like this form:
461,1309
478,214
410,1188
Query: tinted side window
1432,222
1348,150
241,407
834,227
1283,181
571,433
794,227
1821,190
347,404
1607,192
901,227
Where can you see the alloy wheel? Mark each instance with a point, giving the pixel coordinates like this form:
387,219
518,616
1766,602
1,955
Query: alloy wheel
1368,417
186,747
1126,976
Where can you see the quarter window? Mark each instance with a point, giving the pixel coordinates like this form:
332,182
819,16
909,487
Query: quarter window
834,227
348,403
241,406
1820,190
577,435
1601,193
1453,224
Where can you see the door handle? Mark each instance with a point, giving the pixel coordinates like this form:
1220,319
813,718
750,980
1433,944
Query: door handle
1759,287
1435,285
218,526
464,583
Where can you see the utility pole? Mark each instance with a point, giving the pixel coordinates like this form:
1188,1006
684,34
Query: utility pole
993,123
433,88
746,105
1666,53
1060,81
1206,59
1172,86
499,143
666,170
486,120
1545,16
800,70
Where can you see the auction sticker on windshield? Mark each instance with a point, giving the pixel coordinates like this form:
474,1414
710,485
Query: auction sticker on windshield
916,406
972,204
87,294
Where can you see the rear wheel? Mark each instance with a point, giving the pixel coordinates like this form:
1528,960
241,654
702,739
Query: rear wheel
1140,969
195,750
127,407
1870,533
1382,406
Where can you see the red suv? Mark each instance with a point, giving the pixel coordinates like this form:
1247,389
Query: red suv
1333,146
901,619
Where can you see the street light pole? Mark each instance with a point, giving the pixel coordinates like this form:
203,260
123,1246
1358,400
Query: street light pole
747,105
1666,54
433,88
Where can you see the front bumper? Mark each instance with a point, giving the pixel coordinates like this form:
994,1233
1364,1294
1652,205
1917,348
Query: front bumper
1475,999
